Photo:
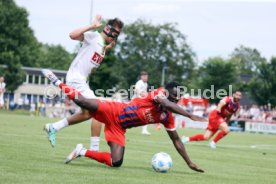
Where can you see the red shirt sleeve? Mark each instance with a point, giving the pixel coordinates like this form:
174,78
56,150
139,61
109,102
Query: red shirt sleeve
227,99
169,124
157,92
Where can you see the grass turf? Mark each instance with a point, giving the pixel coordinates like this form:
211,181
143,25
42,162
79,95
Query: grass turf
26,157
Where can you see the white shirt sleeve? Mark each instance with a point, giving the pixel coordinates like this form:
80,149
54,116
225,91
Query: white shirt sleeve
140,88
2,88
89,36
138,85
2,85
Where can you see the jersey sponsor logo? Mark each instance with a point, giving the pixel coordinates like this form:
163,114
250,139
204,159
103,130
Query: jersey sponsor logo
149,116
96,58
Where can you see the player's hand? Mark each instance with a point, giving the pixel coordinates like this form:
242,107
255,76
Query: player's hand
195,168
109,46
198,118
97,22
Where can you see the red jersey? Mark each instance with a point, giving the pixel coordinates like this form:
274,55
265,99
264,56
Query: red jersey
230,107
145,110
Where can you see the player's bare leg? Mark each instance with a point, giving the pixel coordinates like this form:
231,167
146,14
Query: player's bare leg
96,127
224,130
52,128
89,104
114,158
208,134
79,117
199,137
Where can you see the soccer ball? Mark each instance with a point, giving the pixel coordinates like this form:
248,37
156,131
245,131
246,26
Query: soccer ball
161,162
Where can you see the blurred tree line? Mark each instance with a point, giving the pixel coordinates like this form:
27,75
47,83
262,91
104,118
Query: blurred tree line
141,46
19,47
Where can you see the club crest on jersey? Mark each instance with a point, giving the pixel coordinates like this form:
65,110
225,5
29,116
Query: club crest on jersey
164,117
233,106
96,58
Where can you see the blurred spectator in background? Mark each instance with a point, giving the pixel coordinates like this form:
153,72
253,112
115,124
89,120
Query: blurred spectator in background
19,103
141,89
42,109
2,91
38,104
32,109
70,107
254,113
26,104
190,107
257,114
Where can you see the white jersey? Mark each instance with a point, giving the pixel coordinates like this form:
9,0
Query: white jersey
2,87
141,87
89,57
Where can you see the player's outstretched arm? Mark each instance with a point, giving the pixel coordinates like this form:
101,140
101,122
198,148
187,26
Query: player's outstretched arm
182,151
173,107
78,33
220,105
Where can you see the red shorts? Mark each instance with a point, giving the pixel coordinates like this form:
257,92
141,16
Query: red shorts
108,113
214,121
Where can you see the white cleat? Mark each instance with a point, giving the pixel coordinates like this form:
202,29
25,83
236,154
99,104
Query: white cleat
74,154
213,145
51,133
185,140
51,76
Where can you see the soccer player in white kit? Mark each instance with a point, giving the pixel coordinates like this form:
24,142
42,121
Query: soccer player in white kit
141,89
2,91
88,58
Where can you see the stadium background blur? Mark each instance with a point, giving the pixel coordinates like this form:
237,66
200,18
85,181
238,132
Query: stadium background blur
160,49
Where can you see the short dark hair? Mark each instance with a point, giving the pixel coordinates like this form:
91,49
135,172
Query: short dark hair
172,85
115,23
237,91
143,73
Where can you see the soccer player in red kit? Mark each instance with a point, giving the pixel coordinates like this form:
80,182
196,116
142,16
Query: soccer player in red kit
156,107
218,120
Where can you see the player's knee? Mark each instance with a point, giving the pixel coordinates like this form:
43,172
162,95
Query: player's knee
85,113
117,163
226,131
207,137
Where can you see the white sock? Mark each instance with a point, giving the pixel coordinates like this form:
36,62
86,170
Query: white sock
57,83
60,124
144,128
94,143
83,151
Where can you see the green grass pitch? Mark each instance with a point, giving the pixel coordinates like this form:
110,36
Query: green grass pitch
27,157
